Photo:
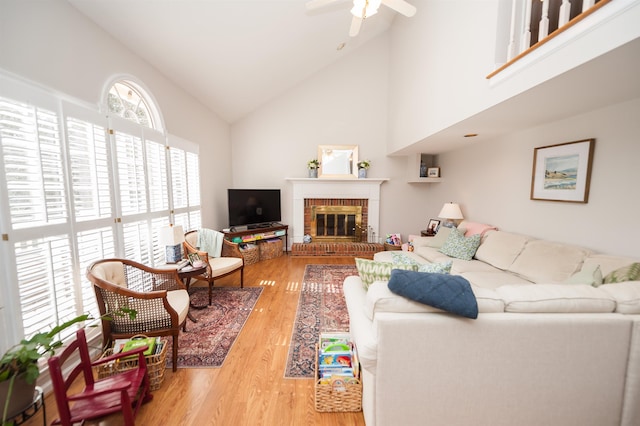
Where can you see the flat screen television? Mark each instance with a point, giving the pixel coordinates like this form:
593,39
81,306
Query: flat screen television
253,207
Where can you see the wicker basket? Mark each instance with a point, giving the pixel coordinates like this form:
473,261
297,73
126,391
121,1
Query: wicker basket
389,247
337,394
251,255
156,364
270,249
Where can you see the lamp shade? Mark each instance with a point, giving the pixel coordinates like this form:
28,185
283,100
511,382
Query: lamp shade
171,235
451,211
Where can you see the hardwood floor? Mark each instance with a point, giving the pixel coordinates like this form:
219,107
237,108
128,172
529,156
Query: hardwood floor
250,388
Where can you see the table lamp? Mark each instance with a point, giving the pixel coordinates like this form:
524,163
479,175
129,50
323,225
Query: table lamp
172,238
450,212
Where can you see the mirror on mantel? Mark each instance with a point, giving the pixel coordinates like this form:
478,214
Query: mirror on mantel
338,161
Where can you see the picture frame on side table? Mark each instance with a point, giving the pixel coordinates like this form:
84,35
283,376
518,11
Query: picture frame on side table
433,226
433,172
562,172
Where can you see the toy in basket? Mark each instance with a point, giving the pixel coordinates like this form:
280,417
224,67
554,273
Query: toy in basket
338,387
156,360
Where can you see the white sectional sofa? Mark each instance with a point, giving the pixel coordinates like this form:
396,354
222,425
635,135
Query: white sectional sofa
544,350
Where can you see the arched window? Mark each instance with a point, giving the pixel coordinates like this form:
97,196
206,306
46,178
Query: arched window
131,102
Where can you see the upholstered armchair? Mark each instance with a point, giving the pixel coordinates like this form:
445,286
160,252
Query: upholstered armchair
230,260
158,296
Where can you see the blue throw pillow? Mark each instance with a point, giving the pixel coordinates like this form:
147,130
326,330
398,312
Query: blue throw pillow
451,293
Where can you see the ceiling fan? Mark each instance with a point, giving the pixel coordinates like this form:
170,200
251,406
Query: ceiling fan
363,9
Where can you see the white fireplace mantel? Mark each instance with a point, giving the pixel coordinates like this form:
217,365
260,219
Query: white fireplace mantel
304,188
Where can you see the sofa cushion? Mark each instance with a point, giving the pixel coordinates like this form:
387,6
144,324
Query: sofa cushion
609,263
459,246
388,255
555,298
380,299
493,279
548,262
501,248
627,296
430,254
371,270
451,293
588,275
626,273
436,241
436,268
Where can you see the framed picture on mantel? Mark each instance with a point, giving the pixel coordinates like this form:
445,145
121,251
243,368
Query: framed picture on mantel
562,172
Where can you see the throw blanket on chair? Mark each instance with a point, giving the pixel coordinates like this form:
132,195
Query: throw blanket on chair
210,241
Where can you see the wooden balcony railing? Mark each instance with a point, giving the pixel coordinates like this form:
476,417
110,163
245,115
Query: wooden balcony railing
535,22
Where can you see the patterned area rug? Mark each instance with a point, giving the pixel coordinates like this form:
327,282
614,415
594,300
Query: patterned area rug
207,342
321,307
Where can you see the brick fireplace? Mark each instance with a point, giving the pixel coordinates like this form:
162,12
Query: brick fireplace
340,235
336,220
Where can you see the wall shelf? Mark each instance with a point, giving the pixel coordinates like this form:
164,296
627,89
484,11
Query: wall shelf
413,167
424,180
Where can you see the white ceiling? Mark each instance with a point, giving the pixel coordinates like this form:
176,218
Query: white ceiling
233,55
236,55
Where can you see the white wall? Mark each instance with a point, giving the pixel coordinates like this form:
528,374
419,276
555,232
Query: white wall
344,104
440,59
492,182
50,43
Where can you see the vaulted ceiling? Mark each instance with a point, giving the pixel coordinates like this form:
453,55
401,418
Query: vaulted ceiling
233,55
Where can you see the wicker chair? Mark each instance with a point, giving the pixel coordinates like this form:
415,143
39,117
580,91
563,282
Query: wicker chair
158,296
229,262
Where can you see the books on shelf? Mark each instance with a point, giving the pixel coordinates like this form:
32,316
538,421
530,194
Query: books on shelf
337,357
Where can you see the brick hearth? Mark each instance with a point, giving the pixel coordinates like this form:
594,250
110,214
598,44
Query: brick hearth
364,250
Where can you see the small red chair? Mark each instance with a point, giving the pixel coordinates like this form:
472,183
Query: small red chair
117,393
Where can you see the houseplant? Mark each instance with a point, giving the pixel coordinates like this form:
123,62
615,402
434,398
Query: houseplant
313,166
363,165
19,364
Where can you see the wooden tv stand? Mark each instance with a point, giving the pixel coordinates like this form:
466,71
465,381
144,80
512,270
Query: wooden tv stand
261,233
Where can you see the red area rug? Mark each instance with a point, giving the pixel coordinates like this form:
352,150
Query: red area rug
207,342
321,308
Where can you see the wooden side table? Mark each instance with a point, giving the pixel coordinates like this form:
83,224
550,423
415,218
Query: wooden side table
425,233
186,274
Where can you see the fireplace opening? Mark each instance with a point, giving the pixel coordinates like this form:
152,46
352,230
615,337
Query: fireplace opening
337,223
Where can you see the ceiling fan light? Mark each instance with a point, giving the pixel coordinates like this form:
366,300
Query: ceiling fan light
370,8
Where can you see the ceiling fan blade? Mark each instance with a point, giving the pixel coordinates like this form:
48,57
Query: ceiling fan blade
401,7
316,4
356,23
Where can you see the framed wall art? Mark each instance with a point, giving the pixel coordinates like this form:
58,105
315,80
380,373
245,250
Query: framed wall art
433,172
562,172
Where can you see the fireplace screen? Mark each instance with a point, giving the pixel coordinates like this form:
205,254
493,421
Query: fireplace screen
336,223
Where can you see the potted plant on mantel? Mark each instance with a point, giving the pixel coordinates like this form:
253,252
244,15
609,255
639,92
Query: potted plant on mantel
313,166
363,165
19,365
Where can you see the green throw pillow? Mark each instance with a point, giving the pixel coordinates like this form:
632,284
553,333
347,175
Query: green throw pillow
460,247
402,259
371,270
590,275
436,268
626,273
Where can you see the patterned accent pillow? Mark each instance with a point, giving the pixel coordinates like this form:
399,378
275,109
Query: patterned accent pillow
403,259
371,270
587,275
626,273
460,247
437,268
